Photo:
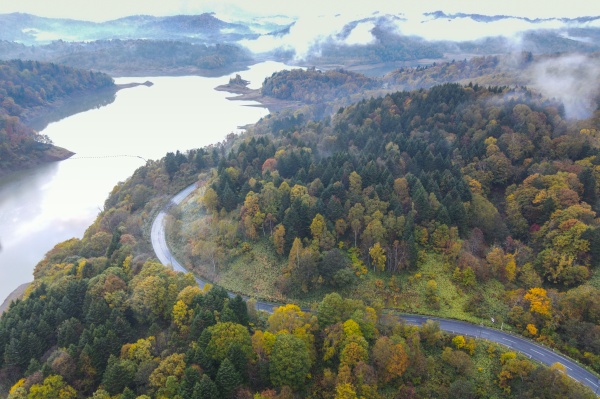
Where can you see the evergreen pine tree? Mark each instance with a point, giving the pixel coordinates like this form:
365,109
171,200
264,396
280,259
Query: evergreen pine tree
228,379
206,389
229,199
128,394
239,360
206,362
442,216
590,193
190,378
227,314
238,306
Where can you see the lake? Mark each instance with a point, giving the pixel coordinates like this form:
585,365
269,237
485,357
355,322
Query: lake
54,202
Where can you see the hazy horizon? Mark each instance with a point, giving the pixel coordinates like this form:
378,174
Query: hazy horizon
113,9
312,23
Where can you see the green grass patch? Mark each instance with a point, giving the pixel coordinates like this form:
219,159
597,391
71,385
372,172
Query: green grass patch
254,273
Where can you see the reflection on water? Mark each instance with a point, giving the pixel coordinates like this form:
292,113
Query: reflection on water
72,106
52,203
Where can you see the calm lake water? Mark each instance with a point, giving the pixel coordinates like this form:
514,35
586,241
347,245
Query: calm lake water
52,203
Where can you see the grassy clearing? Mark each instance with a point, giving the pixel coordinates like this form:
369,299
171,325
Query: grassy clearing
452,299
254,272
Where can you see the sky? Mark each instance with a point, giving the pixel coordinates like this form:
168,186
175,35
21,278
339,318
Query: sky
94,10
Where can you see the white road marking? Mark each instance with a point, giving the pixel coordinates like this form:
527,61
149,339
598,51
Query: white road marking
539,353
506,339
592,382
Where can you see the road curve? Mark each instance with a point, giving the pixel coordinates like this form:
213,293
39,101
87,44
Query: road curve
164,255
526,347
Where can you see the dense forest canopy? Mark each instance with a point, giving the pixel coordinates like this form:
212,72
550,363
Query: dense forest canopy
103,320
459,185
313,86
25,87
487,194
497,70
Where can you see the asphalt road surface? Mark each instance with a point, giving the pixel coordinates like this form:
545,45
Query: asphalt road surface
526,347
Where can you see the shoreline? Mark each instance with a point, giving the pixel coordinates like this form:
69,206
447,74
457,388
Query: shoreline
18,293
38,118
244,93
51,154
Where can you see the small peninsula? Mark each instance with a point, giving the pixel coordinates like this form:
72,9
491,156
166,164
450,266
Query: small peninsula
28,89
239,86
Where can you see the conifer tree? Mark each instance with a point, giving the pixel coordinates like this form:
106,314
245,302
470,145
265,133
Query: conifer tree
228,379
191,377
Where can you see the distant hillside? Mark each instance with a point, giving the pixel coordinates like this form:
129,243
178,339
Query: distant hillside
387,46
204,28
136,57
385,42
571,79
313,86
489,70
27,87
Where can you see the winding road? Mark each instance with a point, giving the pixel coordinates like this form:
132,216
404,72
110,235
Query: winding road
526,347
164,255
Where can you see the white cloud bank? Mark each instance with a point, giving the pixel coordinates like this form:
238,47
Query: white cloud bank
94,10
318,21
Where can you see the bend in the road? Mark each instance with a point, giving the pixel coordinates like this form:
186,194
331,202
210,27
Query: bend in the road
526,347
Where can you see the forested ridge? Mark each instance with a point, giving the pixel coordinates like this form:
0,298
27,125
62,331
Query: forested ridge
27,86
137,57
461,201
464,201
327,90
489,70
314,86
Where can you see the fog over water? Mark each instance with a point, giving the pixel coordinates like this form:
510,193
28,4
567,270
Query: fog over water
52,203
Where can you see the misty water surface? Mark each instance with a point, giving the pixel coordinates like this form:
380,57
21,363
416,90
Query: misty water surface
52,203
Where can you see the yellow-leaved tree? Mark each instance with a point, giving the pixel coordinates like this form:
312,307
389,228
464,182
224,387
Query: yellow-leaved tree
539,302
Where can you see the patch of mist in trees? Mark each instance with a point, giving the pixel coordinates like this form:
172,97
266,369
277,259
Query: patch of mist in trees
572,79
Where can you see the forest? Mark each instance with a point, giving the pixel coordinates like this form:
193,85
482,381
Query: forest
461,201
26,87
489,70
104,320
314,86
323,92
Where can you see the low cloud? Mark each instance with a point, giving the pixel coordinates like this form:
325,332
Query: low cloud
361,34
574,80
467,28
308,33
